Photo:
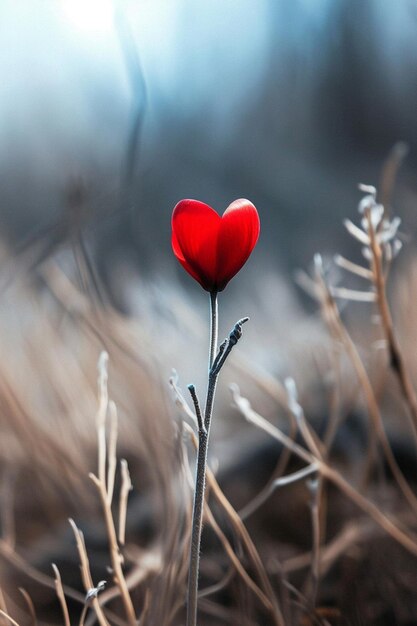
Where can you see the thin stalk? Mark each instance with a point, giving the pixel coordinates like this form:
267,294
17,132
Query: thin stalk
200,486
403,537
61,595
214,326
315,487
244,537
200,481
338,330
395,354
115,555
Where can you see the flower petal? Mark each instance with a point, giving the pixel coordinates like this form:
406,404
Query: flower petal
212,248
195,228
239,232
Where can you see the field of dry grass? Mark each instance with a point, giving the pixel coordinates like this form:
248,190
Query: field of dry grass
311,508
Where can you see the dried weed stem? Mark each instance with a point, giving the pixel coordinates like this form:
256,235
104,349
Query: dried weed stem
31,607
396,359
200,480
106,491
408,541
61,595
267,596
10,619
86,574
338,330
216,362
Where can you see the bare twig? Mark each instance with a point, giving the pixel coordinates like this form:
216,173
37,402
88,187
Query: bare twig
363,272
3,604
395,355
273,486
103,401
89,596
180,401
351,534
235,561
408,541
22,566
312,441
221,584
86,574
103,490
353,294
198,415
217,359
314,485
111,456
61,595
242,533
30,605
126,487
337,329
10,619
150,563
116,557
146,605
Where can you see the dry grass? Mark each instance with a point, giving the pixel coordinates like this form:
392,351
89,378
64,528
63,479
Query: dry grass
311,512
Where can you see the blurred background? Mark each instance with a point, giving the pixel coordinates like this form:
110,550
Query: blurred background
113,110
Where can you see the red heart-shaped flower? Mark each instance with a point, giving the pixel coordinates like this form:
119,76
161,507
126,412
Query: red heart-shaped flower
213,248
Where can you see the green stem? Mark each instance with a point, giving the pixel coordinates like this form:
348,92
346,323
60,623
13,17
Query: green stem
200,481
